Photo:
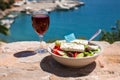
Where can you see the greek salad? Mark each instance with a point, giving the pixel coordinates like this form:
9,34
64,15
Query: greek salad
76,48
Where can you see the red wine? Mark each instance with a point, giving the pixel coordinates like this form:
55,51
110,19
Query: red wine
40,23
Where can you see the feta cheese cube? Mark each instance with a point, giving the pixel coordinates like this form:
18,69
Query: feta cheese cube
93,47
72,47
80,41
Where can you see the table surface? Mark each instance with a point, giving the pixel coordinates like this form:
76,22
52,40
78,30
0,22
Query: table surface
18,61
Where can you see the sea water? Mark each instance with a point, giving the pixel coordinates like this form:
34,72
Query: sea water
83,22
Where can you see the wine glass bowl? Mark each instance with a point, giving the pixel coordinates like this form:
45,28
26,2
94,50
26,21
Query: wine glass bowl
40,23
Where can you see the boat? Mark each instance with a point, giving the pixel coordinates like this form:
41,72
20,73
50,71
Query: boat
68,4
18,4
7,22
11,16
49,9
27,12
72,3
7,26
62,6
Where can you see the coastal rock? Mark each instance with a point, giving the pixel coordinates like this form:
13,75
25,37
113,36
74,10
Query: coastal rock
18,61
1,14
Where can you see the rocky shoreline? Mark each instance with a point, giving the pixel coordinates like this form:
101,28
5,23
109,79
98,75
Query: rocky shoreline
4,13
48,6
29,6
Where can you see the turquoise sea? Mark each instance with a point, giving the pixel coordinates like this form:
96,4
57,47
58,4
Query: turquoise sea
83,22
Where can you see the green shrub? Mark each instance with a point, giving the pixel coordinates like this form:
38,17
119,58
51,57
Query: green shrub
11,2
4,30
5,5
113,35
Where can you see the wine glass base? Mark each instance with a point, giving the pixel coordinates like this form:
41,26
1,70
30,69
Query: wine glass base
41,51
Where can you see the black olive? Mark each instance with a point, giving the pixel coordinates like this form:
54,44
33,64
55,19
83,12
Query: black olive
87,49
70,54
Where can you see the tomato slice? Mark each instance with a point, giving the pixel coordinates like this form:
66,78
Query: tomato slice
75,54
55,51
57,47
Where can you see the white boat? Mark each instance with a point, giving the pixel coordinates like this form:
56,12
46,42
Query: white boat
72,3
49,9
11,16
19,3
7,22
27,12
8,26
62,6
68,4
11,21
28,8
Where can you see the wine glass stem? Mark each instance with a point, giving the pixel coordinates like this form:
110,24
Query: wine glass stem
41,39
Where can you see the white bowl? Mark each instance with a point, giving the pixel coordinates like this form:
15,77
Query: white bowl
75,62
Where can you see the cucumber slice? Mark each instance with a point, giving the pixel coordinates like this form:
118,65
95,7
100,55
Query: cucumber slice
61,53
80,55
65,56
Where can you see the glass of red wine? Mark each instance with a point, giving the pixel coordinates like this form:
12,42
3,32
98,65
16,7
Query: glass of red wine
40,23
